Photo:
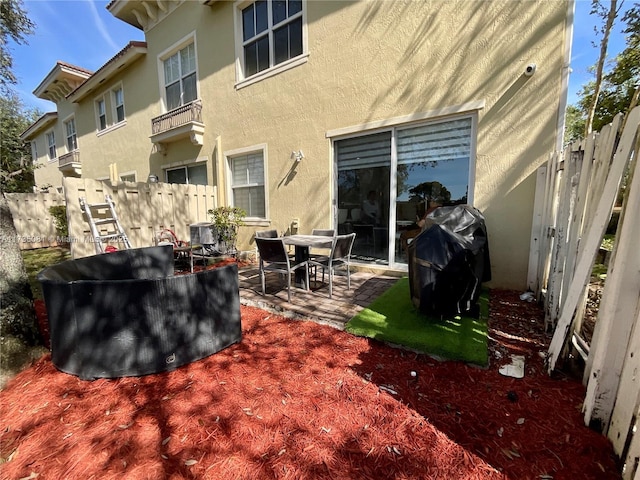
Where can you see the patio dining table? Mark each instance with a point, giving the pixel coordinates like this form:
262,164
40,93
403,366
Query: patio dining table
302,243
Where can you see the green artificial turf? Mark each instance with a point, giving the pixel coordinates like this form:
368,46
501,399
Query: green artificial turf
392,318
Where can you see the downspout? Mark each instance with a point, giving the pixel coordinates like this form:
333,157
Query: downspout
566,70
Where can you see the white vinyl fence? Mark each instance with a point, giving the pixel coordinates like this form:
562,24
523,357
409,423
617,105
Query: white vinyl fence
144,209
577,191
34,224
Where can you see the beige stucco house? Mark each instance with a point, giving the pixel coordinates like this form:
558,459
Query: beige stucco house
297,110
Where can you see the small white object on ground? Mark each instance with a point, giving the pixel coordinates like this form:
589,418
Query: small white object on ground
528,297
515,369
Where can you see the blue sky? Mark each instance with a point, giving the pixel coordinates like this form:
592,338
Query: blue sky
84,33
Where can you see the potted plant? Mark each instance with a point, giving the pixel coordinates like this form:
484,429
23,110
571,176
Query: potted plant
226,221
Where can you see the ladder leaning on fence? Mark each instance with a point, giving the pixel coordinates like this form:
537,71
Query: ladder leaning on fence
104,223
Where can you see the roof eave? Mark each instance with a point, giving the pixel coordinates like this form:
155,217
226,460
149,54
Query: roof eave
40,124
121,61
59,72
123,10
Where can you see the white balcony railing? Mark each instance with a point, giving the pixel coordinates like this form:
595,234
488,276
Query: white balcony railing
184,121
69,164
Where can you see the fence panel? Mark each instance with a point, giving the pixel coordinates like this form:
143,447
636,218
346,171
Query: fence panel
593,237
613,390
143,209
34,224
582,204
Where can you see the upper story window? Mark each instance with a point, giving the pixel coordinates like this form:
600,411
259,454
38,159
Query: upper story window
34,151
118,104
101,111
180,79
72,139
271,33
51,145
247,183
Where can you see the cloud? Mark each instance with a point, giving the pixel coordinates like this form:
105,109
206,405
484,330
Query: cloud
101,27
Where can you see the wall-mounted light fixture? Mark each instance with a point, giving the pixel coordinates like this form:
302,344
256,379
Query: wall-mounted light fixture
152,178
297,156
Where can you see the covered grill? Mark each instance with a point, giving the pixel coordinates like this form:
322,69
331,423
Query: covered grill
449,260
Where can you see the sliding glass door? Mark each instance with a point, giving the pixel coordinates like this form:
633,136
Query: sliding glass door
388,180
364,165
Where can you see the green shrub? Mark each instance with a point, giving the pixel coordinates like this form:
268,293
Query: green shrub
226,221
59,214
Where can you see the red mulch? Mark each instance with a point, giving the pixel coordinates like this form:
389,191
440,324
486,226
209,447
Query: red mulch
298,400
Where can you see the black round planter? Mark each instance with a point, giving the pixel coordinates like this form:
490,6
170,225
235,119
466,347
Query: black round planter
126,314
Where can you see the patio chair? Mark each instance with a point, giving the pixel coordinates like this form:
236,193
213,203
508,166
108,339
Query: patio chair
272,234
266,233
340,256
274,258
325,233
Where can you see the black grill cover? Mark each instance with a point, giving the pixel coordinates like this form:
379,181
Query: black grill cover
449,260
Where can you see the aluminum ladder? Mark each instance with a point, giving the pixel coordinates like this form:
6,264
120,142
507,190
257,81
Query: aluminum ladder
103,215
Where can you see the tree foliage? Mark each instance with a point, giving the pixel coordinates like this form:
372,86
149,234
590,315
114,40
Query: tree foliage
16,164
619,82
14,25
430,192
18,324
609,16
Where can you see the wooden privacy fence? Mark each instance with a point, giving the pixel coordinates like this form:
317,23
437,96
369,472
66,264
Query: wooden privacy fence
34,224
576,194
144,209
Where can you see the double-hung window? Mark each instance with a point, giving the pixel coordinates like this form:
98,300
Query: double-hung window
34,151
180,79
271,34
72,139
51,145
101,110
247,183
118,104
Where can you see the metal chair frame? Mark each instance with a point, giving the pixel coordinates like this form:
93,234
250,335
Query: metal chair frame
340,256
274,258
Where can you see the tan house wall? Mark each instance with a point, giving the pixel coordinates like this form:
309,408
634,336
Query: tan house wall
47,172
372,61
368,62
126,144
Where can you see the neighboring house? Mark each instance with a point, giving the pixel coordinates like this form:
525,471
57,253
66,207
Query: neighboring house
296,110
53,137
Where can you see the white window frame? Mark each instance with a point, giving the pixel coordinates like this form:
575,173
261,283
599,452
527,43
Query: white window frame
132,173
241,79
393,128
98,115
185,167
229,156
73,136
468,110
49,136
34,151
114,104
168,53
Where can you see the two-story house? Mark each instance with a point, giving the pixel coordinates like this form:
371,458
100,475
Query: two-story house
298,110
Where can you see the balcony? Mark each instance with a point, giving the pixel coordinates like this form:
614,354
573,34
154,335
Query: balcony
182,122
69,164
